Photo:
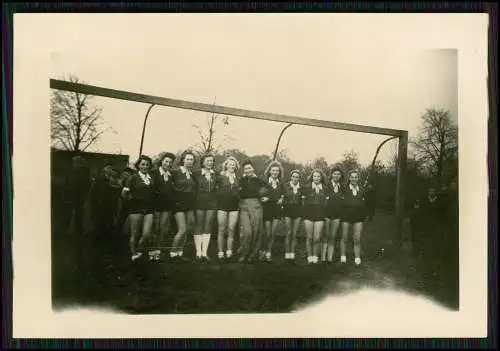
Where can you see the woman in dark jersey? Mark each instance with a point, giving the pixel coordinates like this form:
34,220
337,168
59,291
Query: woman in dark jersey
228,207
292,212
253,192
272,208
140,192
315,197
164,198
206,206
184,203
353,213
335,191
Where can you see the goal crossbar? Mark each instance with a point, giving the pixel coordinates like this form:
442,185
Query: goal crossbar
222,110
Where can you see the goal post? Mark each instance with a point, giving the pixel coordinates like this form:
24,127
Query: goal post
402,135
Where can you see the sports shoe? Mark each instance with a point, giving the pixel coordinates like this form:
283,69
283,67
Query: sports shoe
343,259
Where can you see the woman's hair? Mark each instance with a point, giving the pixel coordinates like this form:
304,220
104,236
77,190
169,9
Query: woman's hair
294,171
272,164
357,171
247,162
317,170
226,161
336,169
164,156
204,157
183,156
143,158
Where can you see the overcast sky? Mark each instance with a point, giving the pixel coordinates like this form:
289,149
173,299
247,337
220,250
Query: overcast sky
307,65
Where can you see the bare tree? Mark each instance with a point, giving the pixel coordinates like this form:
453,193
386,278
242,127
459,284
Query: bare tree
210,141
75,123
436,147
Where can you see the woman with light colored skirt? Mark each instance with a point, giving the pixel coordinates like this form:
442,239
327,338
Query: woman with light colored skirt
139,190
184,204
164,198
315,197
206,206
353,214
228,207
292,212
335,191
272,208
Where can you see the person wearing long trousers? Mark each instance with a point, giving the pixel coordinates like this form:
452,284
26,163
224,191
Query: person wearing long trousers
253,192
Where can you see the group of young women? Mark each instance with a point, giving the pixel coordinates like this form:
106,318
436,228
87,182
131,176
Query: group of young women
199,199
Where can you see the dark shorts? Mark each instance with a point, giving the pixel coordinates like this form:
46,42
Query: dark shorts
334,211
137,206
164,203
205,202
353,215
184,201
228,203
314,213
292,211
271,211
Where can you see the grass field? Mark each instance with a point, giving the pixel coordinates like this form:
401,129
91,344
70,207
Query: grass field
105,277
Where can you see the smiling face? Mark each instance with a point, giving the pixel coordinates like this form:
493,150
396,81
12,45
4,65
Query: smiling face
248,170
144,166
336,175
166,163
354,178
294,178
274,171
231,166
188,161
208,162
316,177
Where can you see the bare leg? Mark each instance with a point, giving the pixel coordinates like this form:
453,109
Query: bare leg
357,229
288,236
164,227
270,243
232,222
295,230
309,226
343,240
267,235
147,227
318,231
324,240
222,224
180,236
332,233
135,221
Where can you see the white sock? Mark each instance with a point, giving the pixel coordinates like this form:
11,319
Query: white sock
205,242
229,253
268,255
197,244
221,254
287,255
292,255
309,259
180,253
315,259
357,260
343,259
173,254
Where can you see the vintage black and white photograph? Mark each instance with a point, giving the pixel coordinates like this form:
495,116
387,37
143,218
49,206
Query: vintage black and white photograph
235,164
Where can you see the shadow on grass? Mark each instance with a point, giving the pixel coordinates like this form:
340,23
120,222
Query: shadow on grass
105,277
